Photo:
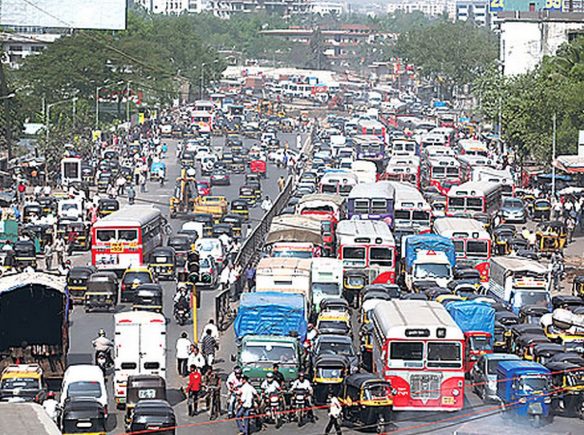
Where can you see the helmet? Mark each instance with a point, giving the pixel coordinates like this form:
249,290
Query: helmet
101,333
300,374
50,395
269,376
237,370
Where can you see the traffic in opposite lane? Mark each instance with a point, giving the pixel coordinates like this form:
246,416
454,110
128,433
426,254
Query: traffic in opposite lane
221,269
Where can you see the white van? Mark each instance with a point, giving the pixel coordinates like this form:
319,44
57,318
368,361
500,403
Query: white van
84,380
327,279
140,348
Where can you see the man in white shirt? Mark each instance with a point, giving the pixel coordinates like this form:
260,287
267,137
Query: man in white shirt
247,394
196,358
334,413
183,345
214,330
233,383
51,406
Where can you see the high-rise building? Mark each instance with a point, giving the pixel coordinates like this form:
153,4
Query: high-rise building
226,8
476,11
428,7
172,6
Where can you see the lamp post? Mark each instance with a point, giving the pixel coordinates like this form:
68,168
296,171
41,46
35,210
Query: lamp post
202,78
554,122
128,101
97,89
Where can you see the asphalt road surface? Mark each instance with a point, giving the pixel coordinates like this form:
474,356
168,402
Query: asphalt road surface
476,417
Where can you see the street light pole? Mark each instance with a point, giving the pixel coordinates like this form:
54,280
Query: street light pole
202,77
128,101
554,121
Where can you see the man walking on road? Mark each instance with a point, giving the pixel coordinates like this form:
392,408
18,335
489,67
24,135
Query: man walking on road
334,413
247,395
183,346
208,347
281,183
193,391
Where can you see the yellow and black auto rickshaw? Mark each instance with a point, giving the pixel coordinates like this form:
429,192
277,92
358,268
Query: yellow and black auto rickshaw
367,401
502,235
568,381
240,207
83,416
24,254
107,206
353,282
542,209
551,237
77,279
48,205
329,374
578,286
102,292
31,212
248,194
236,222
163,262
142,387
82,240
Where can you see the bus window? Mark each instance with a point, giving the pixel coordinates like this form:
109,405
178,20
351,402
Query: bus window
354,256
438,172
459,247
106,235
477,248
378,206
361,206
128,235
456,203
402,215
474,204
452,171
444,355
406,351
421,215
380,256
345,189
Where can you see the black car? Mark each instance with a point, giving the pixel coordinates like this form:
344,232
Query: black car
153,415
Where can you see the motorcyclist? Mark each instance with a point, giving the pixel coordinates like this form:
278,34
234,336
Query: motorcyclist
269,387
233,383
181,299
51,406
304,384
104,345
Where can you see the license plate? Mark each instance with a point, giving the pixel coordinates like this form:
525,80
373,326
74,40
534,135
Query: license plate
449,400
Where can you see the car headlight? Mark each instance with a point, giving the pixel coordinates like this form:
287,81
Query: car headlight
523,400
547,400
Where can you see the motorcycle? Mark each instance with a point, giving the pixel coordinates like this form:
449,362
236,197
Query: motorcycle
181,315
299,401
274,408
103,361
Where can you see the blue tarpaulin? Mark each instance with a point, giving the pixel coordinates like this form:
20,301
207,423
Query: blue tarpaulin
473,316
271,313
429,242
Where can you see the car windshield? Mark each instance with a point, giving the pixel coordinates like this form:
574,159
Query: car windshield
327,288
268,352
512,203
143,277
206,245
425,271
329,373
335,348
480,343
20,383
336,325
205,263
84,389
533,383
539,298
376,391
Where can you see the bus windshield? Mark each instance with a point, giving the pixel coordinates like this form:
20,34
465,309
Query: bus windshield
444,355
354,256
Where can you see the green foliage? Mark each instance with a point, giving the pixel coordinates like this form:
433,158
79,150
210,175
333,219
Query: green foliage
451,53
317,58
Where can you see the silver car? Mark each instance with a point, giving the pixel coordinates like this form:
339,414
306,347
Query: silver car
513,210
483,375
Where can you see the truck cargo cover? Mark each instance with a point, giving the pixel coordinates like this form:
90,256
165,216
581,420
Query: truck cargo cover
473,316
429,242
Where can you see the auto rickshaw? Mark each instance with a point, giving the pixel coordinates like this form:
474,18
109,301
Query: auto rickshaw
551,236
515,331
353,282
222,228
240,207
48,205
102,292
103,181
24,254
254,181
41,234
531,314
148,298
367,401
153,416
501,237
83,415
107,206
82,241
77,278
567,301
542,352
207,220
329,374
163,262
31,212
542,209
248,194
578,286
525,342
568,381
237,166
142,387
236,222
258,167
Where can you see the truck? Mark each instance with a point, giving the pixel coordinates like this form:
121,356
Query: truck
139,348
34,320
285,275
270,328
427,257
477,322
519,281
327,280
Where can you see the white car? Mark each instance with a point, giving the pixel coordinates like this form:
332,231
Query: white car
210,246
203,152
84,380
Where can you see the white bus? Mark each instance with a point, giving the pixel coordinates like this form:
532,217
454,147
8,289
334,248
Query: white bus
337,182
405,169
327,280
126,237
420,350
472,147
502,176
472,242
468,163
474,197
365,170
405,147
411,210
520,281
369,246
204,106
203,120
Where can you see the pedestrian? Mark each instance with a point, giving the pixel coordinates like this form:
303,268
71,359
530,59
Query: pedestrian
266,204
21,188
212,384
194,391
570,226
142,181
247,395
121,184
214,330
131,194
208,348
60,251
196,358
250,274
224,277
335,410
281,183
183,345
48,257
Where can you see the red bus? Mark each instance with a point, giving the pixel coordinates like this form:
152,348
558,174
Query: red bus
474,197
126,237
442,172
420,350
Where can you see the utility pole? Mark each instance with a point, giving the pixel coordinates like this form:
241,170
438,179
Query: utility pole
4,93
554,121
128,101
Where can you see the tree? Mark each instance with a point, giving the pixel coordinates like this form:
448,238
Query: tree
318,59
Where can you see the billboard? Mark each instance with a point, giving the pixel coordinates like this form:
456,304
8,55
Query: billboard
76,14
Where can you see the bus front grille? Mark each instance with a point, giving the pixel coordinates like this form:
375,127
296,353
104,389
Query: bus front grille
425,386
